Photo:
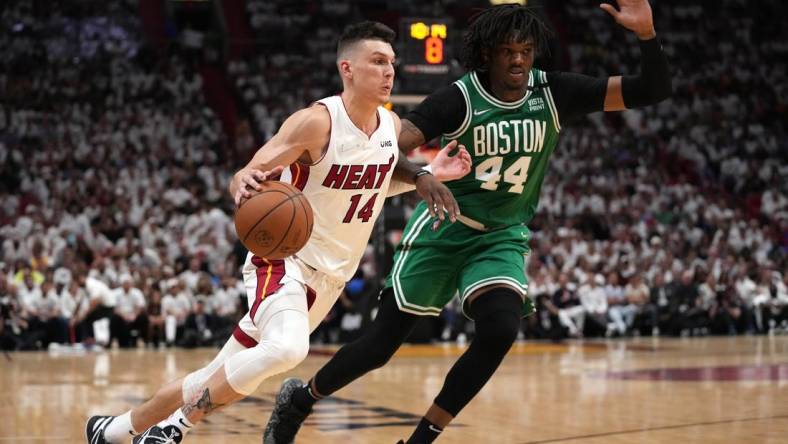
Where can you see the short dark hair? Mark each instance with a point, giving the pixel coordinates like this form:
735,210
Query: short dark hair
502,24
367,30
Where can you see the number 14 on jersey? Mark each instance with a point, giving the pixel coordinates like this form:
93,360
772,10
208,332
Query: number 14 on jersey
364,213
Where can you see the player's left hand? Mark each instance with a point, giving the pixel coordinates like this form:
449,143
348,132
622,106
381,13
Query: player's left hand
447,166
438,198
634,15
249,181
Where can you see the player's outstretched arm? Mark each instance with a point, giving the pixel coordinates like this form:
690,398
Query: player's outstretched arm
653,83
451,163
303,136
409,138
437,196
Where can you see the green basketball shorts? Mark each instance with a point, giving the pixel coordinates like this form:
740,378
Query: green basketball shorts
430,267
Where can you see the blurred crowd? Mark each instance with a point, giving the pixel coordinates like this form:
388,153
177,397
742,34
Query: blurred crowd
112,185
115,225
676,213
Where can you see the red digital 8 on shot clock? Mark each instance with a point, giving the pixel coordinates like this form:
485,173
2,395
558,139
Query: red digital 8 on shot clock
425,50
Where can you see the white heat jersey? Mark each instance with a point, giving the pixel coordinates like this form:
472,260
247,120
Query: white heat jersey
346,189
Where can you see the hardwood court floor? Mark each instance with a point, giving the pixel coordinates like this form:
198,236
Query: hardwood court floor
710,390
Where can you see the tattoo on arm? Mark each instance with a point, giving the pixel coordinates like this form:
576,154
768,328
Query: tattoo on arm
410,136
404,170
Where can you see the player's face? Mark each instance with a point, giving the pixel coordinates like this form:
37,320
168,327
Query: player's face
372,67
510,64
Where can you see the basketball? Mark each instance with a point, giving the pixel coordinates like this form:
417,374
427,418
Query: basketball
276,222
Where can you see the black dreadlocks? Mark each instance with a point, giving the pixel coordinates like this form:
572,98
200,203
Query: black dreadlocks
502,24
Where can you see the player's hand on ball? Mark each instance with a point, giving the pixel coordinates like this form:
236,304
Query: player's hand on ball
438,198
250,180
452,162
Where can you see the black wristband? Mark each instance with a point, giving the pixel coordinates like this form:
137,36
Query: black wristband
653,84
650,48
420,173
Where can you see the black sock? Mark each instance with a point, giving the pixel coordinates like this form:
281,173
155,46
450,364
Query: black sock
425,432
303,397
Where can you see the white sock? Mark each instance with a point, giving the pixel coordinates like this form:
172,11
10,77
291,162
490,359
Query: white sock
119,429
177,419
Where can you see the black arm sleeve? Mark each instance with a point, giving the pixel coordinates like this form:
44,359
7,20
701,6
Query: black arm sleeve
653,84
441,112
576,94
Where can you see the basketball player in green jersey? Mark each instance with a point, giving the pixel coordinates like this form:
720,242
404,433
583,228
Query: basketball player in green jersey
509,115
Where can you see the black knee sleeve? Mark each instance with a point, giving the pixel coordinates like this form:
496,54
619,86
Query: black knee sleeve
497,316
372,350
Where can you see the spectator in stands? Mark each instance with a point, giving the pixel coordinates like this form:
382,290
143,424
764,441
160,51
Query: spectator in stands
131,319
26,275
746,290
726,313
357,292
99,306
13,325
156,319
620,310
203,291
545,324
198,327
690,316
29,294
49,313
73,300
771,302
707,292
594,301
191,277
639,299
39,260
570,310
226,303
176,306
662,296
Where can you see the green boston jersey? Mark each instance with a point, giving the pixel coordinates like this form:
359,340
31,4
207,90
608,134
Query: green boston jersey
510,144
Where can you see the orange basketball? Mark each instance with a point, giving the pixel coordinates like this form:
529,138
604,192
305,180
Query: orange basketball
276,222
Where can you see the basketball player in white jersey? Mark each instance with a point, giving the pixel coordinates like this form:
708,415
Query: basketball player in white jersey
342,153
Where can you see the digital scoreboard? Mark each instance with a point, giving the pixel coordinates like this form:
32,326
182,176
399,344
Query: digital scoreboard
424,52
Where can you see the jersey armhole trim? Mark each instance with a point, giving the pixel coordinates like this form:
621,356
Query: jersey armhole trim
467,120
551,102
330,134
391,118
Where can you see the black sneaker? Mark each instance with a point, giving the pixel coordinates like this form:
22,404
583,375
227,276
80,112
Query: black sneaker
159,435
94,429
286,418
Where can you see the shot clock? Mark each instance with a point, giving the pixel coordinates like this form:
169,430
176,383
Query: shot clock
425,53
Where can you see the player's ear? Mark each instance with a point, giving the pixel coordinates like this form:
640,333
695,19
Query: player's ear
345,69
